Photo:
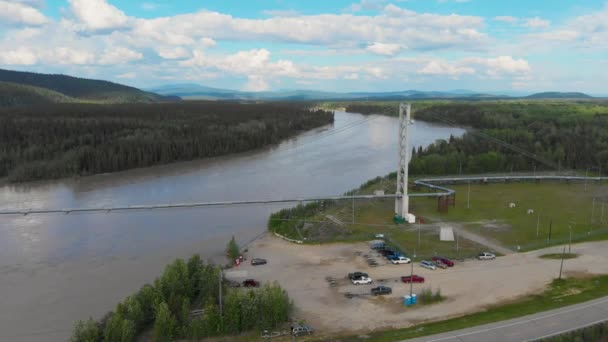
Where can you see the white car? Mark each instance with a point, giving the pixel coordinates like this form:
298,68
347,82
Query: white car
486,256
428,264
400,260
362,281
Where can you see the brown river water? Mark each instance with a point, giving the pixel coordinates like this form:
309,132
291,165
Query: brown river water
58,268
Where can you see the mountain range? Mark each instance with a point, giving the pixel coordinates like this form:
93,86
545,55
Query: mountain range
199,92
26,88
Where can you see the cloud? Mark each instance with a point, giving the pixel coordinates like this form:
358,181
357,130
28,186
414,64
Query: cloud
281,13
127,75
69,56
502,65
366,5
21,13
506,19
208,42
384,49
443,68
119,55
149,6
98,15
20,56
173,52
537,22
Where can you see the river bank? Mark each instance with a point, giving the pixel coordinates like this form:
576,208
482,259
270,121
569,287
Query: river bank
57,269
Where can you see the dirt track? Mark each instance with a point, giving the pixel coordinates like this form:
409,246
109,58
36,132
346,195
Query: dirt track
469,286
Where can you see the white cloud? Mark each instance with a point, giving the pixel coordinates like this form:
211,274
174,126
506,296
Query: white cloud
352,76
149,6
119,55
68,56
281,13
502,65
20,56
208,42
21,13
173,52
438,67
98,15
127,75
257,83
537,22
506,19
384,49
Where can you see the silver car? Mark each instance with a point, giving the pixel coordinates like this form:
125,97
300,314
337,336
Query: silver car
428,264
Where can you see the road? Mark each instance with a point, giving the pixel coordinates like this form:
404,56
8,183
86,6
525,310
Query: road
530,327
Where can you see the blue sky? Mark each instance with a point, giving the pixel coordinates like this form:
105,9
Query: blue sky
511,46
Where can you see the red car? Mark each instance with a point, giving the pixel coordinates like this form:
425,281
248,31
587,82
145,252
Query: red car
412,279
446,261
251,283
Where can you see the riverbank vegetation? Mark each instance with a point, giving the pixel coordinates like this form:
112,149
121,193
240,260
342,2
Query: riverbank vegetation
510,136
560,293
63,140
184,303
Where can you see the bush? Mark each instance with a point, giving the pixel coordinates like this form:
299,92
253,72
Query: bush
427,296
86,331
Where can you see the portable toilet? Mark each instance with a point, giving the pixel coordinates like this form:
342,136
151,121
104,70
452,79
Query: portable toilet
407,300
414,299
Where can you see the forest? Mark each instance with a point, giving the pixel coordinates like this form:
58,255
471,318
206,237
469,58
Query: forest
169,308
505,136
63,140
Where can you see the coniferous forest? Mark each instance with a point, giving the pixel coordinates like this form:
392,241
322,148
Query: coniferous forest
63,140
506,136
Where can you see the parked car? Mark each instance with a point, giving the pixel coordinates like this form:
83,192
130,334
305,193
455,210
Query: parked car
428,264
379,236
301,329
486,256
381,290
251,283
258,261
444,260
357,275
412,279
440,264
362,281
400,260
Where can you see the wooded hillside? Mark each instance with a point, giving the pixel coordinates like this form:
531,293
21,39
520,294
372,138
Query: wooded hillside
53,141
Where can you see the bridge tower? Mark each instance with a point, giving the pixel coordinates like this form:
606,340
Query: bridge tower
402,202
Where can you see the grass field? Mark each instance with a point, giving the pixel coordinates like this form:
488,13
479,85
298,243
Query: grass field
558,207
579,290
559,256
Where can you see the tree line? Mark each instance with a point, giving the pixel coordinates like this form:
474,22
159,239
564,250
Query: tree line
560,136
62,140
166,307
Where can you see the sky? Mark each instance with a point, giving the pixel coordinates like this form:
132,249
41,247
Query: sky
515,46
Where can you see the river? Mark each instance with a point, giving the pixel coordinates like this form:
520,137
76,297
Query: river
57,268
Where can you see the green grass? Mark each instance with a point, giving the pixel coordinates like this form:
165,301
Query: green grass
428,297
559,256
557,206
560,293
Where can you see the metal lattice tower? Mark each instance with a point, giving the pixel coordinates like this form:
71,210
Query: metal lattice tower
402,203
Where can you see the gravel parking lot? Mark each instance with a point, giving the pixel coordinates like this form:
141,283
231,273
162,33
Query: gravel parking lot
468,286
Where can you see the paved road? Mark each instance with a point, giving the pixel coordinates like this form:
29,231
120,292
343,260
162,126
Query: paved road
530,327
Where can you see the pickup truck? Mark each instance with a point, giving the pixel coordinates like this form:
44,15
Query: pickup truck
381,290
412,279
362,281
354,275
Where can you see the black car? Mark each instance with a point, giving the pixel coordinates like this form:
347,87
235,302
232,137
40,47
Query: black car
381,290
258,261
357,275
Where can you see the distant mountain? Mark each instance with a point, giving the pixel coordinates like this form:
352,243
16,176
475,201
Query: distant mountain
195,91
559,95
30,88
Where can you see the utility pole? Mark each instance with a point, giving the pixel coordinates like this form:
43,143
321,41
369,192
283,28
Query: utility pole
353,218
469,197
561,266
457,247
418,247
593,211
570,242
412,278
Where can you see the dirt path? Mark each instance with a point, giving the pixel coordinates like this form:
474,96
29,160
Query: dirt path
469,286
480,240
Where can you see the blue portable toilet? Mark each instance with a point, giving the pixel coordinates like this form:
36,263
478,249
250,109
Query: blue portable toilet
407,300
414,299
